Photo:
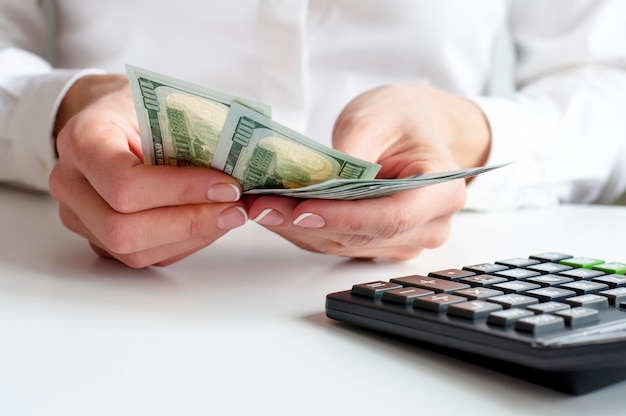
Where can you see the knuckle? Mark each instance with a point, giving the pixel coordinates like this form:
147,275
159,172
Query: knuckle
119,236
54,184
121,194
398,224
196,221
135,261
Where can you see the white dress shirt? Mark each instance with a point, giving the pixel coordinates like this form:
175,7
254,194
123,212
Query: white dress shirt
562,120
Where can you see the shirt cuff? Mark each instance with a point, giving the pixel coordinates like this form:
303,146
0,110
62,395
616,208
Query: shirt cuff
31,125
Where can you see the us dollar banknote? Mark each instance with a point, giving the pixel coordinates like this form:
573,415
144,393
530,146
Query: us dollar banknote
263,154
180,123
183,124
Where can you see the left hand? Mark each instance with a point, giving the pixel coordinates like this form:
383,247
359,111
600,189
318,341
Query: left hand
408,130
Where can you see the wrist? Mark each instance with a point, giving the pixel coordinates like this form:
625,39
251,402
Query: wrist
466,128
83,92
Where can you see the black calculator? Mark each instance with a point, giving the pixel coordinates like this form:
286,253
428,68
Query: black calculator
551,318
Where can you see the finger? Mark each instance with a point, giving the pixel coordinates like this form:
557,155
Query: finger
402,247
101,152
159,256
382,217
134,232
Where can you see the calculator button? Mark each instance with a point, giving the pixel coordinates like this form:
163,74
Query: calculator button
373,290
475,309
438,302
507,317
582,262
483,280
548,307
547,280
518,262
589,301
513,300
478,293
613,267
549,268
515,287
485,268
430,283
517,274
451,274
583,287
540,324
404,295
615,296
546,294
550,256
613,280
582,274
579,316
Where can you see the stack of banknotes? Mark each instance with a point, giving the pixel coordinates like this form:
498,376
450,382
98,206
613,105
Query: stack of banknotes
183,124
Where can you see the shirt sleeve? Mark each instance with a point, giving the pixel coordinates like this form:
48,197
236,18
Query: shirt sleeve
564,126
31,90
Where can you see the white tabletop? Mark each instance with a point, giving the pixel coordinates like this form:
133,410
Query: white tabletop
240,327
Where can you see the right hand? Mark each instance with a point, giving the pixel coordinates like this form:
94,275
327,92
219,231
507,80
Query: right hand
139,214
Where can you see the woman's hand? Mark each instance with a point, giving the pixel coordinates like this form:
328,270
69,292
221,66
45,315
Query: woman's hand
138,214
408,130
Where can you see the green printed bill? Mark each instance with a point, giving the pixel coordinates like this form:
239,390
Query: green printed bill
351,189
183,124
263,154
180,123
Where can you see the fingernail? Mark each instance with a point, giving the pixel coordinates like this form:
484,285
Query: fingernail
232,218
269,216
223,192
309,220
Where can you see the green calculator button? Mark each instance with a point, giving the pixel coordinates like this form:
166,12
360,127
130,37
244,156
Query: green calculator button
584,262
611,268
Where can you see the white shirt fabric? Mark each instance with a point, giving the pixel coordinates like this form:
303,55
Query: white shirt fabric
562,121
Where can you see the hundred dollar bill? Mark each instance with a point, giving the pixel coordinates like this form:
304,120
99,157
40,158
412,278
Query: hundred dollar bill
263,154
180,123
346,189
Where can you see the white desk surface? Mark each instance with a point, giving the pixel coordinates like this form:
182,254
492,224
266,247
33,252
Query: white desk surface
240,327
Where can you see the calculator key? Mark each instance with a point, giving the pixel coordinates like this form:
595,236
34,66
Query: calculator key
517,262
373,290
582,262
547,294
483,280
439,302
613,280
550,256
404,295
517,274
582,274
430,283
613,268
513,300
474,310
478,293
584,287
485,268
548,307
547,280
507,317
451,274
515,286
549,268
540,324
589,301
579,316
615,296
